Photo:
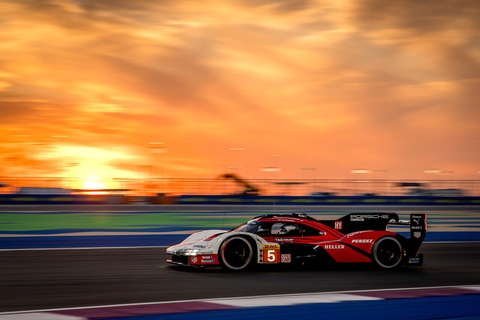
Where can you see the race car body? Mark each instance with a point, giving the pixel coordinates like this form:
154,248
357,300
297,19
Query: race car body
293,238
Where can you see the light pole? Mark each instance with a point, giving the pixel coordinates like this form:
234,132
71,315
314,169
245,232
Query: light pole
377,183
428,172
308,172
236,163
36,164
63,165
437,172
274,170
359,171
158,148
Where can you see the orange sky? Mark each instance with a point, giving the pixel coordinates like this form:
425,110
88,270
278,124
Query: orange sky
388,86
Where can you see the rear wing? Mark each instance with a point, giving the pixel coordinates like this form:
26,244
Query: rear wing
378,222
363,221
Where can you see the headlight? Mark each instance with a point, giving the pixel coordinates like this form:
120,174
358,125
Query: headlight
188,252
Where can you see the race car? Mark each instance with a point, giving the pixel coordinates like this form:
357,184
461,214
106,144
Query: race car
299,238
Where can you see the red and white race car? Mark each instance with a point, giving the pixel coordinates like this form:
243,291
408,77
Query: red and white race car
281,239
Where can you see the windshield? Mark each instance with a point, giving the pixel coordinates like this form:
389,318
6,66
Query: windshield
258,227
250,226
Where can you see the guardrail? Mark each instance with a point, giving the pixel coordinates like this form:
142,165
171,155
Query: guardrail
237,200
328,200
62,199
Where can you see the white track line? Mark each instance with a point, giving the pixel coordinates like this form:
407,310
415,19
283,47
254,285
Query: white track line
39,316
248,302
332,296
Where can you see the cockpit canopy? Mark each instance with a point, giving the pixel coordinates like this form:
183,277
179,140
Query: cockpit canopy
278,228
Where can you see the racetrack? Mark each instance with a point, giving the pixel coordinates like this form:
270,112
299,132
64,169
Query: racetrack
73,277
42,279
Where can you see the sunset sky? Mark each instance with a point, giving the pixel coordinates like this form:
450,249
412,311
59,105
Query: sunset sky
197,88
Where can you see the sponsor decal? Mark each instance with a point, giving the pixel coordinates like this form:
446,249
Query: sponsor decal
417,234
283,239
338,225
204,259
362,240
414,260
271,253
208,260
271,246
286,258
354,233
334,246
363,217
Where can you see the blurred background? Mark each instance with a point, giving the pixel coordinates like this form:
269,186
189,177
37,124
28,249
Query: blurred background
292,97
347,103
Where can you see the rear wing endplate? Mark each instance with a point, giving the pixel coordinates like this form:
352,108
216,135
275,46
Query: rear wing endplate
418,231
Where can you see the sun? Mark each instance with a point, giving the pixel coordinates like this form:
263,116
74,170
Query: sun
89,184
93,183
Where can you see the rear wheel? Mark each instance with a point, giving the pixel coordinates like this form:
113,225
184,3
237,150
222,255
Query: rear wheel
236,253
387,252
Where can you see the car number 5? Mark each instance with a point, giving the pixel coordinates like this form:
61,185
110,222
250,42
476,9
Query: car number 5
271,255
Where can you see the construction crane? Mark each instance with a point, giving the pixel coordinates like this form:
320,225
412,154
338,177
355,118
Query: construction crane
248,189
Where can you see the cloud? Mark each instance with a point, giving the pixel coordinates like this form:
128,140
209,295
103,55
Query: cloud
329,84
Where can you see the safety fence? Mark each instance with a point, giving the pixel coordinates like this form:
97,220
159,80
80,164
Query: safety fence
239,200
264,187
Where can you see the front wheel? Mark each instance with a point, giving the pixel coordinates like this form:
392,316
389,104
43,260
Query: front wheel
387,252
236,253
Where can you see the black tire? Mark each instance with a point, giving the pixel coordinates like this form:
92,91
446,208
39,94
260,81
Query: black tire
236,253
387,252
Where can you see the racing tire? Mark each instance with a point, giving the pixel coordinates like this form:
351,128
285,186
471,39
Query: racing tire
387,253
236,253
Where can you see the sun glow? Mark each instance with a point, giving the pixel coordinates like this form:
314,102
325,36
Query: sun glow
93,183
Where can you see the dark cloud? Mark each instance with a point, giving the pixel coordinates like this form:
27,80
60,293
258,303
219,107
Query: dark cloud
14,112
445,34
417,16
279,6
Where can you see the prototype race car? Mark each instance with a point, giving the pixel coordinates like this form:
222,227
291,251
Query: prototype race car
298,238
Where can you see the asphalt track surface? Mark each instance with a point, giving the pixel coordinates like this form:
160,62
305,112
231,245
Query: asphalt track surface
43,279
